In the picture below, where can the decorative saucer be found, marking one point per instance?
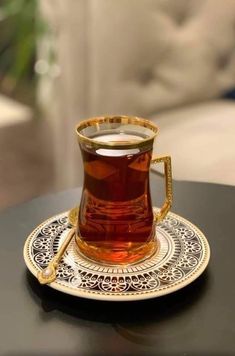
(182, 257)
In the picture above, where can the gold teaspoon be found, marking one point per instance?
(48, 274)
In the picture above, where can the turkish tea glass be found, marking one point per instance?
(116, 222)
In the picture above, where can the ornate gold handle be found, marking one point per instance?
(168, 183)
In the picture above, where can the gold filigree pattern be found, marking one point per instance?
(168, 183)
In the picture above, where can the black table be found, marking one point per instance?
(197, 320)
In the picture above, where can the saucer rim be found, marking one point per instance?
(105, 296)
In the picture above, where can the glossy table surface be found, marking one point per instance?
(197, 320)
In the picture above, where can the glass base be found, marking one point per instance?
(118, 253)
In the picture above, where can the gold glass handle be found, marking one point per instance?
(168, 182)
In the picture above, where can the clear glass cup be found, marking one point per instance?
(116, 222)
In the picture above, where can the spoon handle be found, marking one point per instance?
(63, 247)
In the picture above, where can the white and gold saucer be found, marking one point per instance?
(182, 257)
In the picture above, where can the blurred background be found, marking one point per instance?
(62, 61)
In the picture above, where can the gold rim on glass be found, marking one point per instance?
(123, 120)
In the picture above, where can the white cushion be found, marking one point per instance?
(150, 55)
(12, 112)
(131, 57)
(201, 141)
